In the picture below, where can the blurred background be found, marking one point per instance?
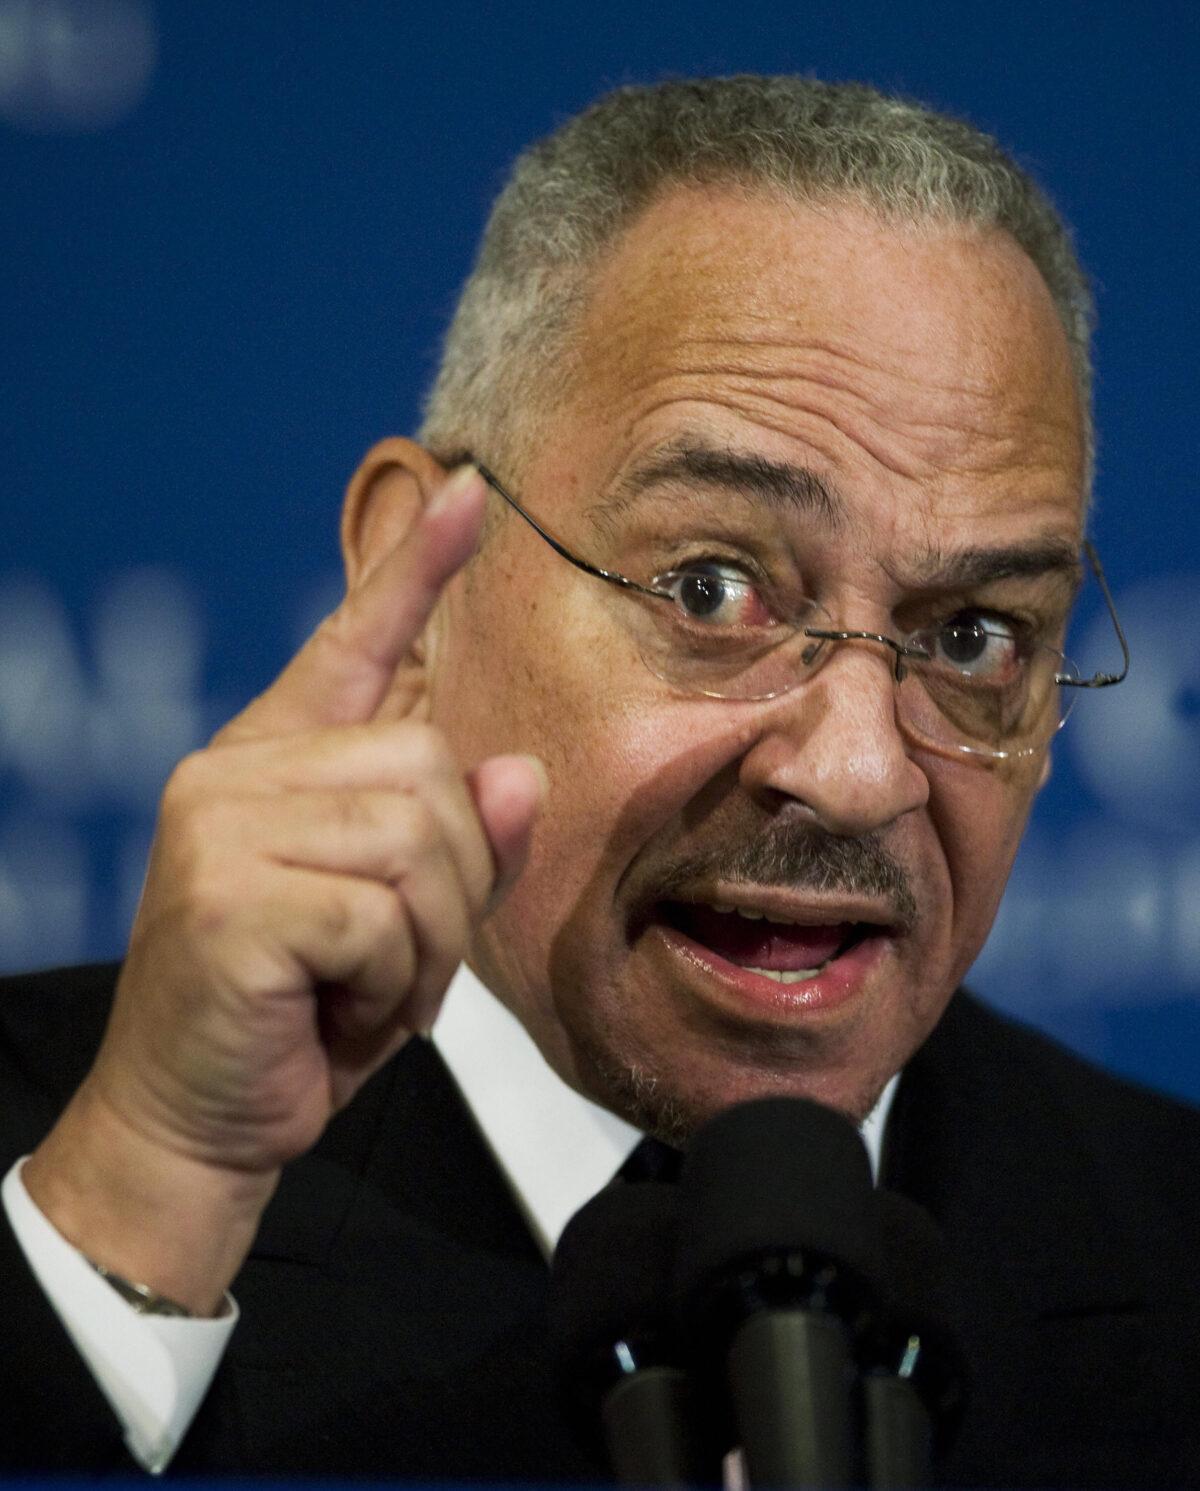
(232, 236)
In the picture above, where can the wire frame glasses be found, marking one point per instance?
(971, 686)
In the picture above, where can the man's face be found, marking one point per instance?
(924, 379)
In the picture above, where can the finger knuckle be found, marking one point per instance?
(363, 913)
(212, 902)
(339, 914)
(331, 630)
(187, 781)
(422, 748)
(202, 835)
(421, 832)
(350, 812)
(337, 639)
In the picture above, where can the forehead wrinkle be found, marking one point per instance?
(726, 334)
(916, 407)
(780, 485)
(894, 423)
(913, 429)
(873, 374)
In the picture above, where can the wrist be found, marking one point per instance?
(177, 1226)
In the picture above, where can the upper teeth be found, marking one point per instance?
(751, 915)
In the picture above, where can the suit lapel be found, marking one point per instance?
(992, 1133)
(393, 1308)
(1010, 1171)
(406, 1142)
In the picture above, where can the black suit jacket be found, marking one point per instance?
(393, 1307)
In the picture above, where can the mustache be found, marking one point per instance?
(798, 857)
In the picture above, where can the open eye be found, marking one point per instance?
(979, 644)
(715, 595)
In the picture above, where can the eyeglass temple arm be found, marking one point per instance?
(589, 569)
(1100, 680)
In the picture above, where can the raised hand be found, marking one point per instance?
(316, 878)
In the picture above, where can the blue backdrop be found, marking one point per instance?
(232, 235)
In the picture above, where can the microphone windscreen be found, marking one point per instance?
(769, 1176)
(917, 1279)
(611, 1277)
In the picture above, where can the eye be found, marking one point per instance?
(715, 595)
(979, 644)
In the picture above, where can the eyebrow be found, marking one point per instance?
(786, 485)
(971, 567)
(779, 484)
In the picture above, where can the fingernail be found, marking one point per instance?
(456, 485)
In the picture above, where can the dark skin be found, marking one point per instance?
(320, 870)
(926, 380)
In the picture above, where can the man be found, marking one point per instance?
(712, 762)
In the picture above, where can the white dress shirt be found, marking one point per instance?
(555, 1149)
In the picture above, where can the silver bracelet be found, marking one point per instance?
(141, 1297)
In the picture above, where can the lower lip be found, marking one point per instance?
(834, 986)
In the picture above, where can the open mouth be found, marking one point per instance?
(786, 952)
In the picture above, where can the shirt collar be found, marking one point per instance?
(555, 1148)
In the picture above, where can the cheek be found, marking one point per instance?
(553, 676)
(621, 775)
(497, 664)
(527, 651)
(980, 814)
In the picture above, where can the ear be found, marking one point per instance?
(394, 481)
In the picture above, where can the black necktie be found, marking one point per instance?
(652, 1160)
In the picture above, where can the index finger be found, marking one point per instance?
(343, 671)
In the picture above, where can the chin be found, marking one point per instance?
(672, 1104)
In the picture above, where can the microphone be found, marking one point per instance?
(615, 1339)
(778, 1275)
(915, 1393)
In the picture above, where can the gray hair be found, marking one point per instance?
(507, 351)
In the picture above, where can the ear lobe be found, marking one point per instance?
(394, 481)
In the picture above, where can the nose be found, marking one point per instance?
(833, 746)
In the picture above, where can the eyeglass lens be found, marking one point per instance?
(1005, 713)
(962, 686)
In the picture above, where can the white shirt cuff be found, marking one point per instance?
(153, 1369)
